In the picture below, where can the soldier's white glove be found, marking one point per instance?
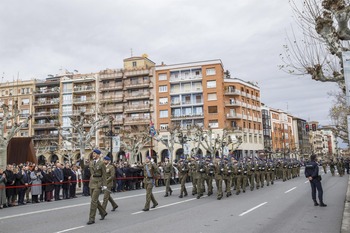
(152, 160)
(104, 188)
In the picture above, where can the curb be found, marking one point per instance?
(345, 226)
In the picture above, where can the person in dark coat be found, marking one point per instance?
(20, 183)
(119, 175)
(58, 179)
(49, 182)
(86, 178)
(10, 191)
(67, 176)
(74, 181)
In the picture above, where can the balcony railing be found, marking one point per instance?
(185, 90)
(137, 95)
(47, 92)
(186, 116)
(233, 103)
(137, 120)
(112, 98)
(137, 107)
(45, 125)
(83, 101)
(46, 102)
(113, 109)
(232, 92)
(84, 88)
(107, 87)
(138, 83)
(45, 137)
(183, 78)
(86, 111)
(45, 114)
(234, 116)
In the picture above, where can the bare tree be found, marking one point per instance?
(171, 140)
(77, 135)
(15, 128)
(324, 26)
(338, 114)
(134, 140)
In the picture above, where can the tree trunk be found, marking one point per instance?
(3, 156)
(82, 151)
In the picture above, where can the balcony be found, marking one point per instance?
(137, 108)
(45, 114)
(112, 109)
(45, 125)
(89, 100)
(188, 116)
(24, 115)
(187, 78)
(136, 84)
(86, 112)
(111, 99)
(46, 102)
(82, 89)
(47, 92)
(130, 73)
(107, 87)
(248, 95)
(232, 92)
(111, 75)
(234, 116)
(176, 91)
(139, 95)
(136, 121)
(250, 118)
(46, 137)
(235, 103)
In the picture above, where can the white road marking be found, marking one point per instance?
(164, 206)
(252, 209)
(290, 190)
(70, 229)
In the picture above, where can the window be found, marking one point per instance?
(162, 77)
(212, 96)
(211, 71)
(213, 109)
(211, 84)
(163, 113)
(213, 124)
(163, 101)
(25, 101)
(134, 64)
(67, 99)
(163, 88)
(164, 126)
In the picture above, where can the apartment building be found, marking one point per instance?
(283, 141)
(301, 138)
(243, 114)
(127, 95)
(18, 92)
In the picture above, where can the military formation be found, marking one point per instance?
(229, 173)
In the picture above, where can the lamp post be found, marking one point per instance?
(108, 131)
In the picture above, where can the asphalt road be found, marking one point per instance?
(282, 207)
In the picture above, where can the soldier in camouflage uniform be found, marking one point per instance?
(244, 168)
(257, 174)
(182, 167)
(168, 171)
(262, 173)
(219, 170)
(209, 174)
(237, 172)
(150, 171)
(227, 177)
(250, 174)
(332, 167)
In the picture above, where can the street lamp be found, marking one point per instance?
(108, 131)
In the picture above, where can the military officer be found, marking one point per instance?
(168, 171)
(110, 173)
(150, 170)
(97, 182)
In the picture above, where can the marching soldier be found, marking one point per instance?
(237, 173)
(284, 170)
(324, 166)
(97, 183)
(199, 171)
(209, 174)
(273, 172)
(219, 170)
(110, 173)
(257, 175)
(182, 166)
(168, 170)
(262, 173)
(227, 177)
(268, 173)
(244, 176)
(193, 176)
(250, 174)
(332, 167)
(150, 170)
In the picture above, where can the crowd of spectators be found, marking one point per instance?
(31, 183)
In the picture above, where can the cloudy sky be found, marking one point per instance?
(40, 37)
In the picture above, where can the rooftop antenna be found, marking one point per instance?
(287, 106)
(131, 52)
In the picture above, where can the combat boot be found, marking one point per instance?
(315, 203)
(322, 204)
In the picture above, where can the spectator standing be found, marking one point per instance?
(36, 178)
(2, 188)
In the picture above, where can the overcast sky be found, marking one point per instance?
(40, 37)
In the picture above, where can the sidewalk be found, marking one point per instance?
(345, 228)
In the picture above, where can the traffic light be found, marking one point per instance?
(307, 128)
(313, 127)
